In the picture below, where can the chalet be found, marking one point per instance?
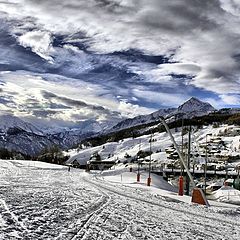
(100, 164)
(76, 164)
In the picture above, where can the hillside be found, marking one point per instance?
(224, 142)
(23, 137)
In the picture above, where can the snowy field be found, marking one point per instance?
(43, 201)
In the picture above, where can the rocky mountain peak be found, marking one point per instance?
(194, 104)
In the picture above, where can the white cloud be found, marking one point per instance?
(29, 93)
(162, 74)
(40, 42)
(63, 100)
(230, 99)
(179, 68)
(163, 99)
(31, 85)
(197, 32)
(132, 110)
(231, 6)
(201, 38)
(3, 108)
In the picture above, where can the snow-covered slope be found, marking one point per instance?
(229, 110)
(227, 194)
(219, 146)
(117, 151)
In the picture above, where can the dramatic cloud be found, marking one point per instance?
(231, 100)
(28, 95)
(134, 56)
(39, 42)
(165, 99)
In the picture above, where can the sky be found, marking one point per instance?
(65, 62)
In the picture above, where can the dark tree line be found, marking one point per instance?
(139, 130)
(52, 154)
(8, 154)
(49, 154)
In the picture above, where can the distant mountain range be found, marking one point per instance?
(191, 108)
(24, 137)
(20, 136)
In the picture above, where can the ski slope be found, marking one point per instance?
(45, 201)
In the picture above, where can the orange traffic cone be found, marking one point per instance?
(199, 197)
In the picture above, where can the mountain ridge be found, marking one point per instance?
(194, 104)
(190, 108)
(21, 136)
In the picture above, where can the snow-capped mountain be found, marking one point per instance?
(10, 123)
(194, 107)
(21, 136)
(142, 119)
(24, 137)
(191, 108)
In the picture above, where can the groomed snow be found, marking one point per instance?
(48, 202)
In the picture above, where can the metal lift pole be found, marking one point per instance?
(178, 151)
(188, 160)
(138, 172)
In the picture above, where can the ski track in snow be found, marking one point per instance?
(199, 220)
(56, 204)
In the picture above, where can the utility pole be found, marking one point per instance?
(150, 160)
(188, 160)
(226, 168)
(138, 174)
(206, 162)
(182, 147)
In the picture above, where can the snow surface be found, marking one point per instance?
(43, 201)
(227, 194)
(130, 146)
